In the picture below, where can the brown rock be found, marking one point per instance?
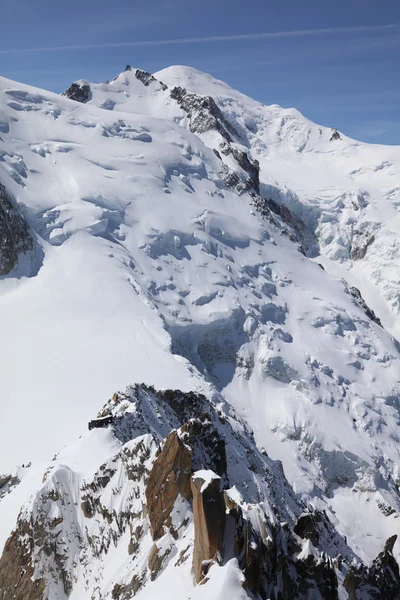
(209, 522)
(156, 560)
(169, 477)
(116, 592)
(88, 508)
(125, 592)
(16, 569)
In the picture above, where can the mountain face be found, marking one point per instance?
(234, 267)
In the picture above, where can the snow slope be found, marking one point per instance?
(346, 191)
(150, 267)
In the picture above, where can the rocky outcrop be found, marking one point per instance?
(156, 560)
(4, 480)
(203, 113)
(306, 527)
(78, 91)
(237, 504)
(16, 567)
(231, 179)
(362, 238)
(380, 580)
(359, 300)
(274, 563)
(207, 445)
(209, 522)
(147, 78)
(15, 236)
(169, 477)
(314, 576)
(335, 135)
(248, 546)
(278, 214)
(8, 483)
(252, 168)
(287, 221)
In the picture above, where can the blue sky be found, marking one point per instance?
(337, 62)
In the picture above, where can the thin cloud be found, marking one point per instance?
(210, 39)
(302, 54)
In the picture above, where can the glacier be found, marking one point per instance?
(180, 235)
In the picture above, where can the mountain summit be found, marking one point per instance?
(233, 268)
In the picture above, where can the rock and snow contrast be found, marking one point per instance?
(235, 269)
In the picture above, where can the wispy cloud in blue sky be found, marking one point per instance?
(239, 37)
(326, 59)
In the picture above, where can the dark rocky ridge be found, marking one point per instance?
(80, 92)
(286, 221)
(363, 238)
(147, 78)
(15, 235)
(335, 135)
(203, 113)
(379, 581)
(252, 168)
(359, 300)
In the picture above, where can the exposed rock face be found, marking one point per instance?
(169, 477)
(156, 560)
(4, 480)
(355, 292)
(289, 223)
(208, 447)
(315, 576)
(8, 483)
(335, 135)
(278, 214)
(80, 92)
(362, 239)
(274, 566)
(283, 549)
(252, 168)
(203, 112)
(16, 568)
(15, 237)
(248, 547)
(379, 581)
(147, 78)
(232, 179)
(306, 528)
(209, 522)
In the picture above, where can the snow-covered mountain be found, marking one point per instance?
(169, 231)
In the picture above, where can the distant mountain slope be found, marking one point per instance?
(346, 191)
